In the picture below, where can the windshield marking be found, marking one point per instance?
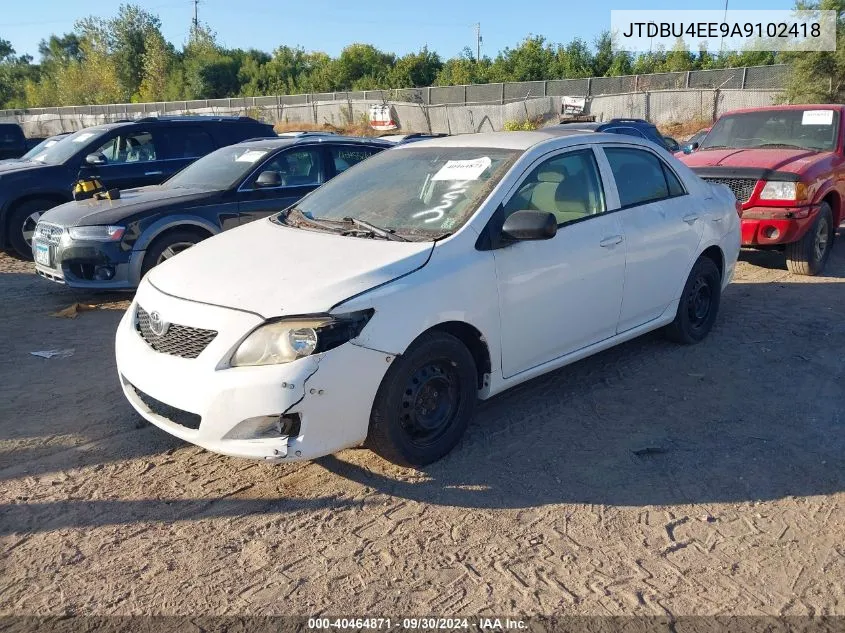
(454, 192)
(250, 156)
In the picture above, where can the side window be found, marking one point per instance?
(567, 185)
(297, 168)
(133, 147)
(630, 131)
(639, 175)
(344, 156)
(672, 182)
(189, 142)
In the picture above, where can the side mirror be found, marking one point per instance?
(529, 225)
(95, 160)
(671, 144)
(268, 179)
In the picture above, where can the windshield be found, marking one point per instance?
(218, 170)
(812, 129)
(66, 147)
(418, 189)
(43, 145)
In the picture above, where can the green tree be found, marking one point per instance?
(532, 60)
(15, 72)
(464, 69)
(363, 67)
(415, 70)
(819, 76)
(157, 63)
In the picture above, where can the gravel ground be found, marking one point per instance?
(649, 479)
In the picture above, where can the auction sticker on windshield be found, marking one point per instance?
(463, 169)
(250, 156)
(83, 137)
(817, 117)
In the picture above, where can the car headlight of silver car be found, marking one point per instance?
(96, 233)
(288, 339)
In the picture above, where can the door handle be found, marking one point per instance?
(153, 173)
(691, 218)
(611, 241)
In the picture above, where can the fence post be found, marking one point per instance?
(636, 83)
(465, 94)
(545, 88)
(744, 75)
(503, 92)
(589, 86)
(686, 80)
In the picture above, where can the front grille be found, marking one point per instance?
(48, 232)
(177, 340)
(177, 416)
(742, 187)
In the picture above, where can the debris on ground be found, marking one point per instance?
(74, 309)
(53, 353)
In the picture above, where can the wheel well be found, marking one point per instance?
(832, 198)
(7, 218)
(474, 342)
(191, 228)
(714, 253)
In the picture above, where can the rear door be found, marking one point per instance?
(133, 158)
(183, 144)
(301, 169)
(663, 226)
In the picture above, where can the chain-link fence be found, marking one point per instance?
(772, 77)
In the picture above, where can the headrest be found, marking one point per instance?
(550, 176)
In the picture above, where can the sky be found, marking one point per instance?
(397, 26)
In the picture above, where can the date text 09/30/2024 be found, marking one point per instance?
(427, 624)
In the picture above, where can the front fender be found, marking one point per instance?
(172, 221)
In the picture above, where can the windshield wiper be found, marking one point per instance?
(388, 234)
(782, 145)
(301, 218)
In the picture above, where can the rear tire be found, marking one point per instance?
(22, 221)
(808, 255)
(424, 402)
(699, 304)
(168, 245)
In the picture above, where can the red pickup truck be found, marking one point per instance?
(786, 166)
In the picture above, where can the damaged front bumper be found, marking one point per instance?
(322, 402)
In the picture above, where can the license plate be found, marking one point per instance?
(42, 254)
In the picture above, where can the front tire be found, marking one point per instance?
(22, 223)
(170, 244)
(424, 402)
(808, 255)
(699, 304)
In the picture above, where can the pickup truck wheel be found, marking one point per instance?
(168, 245)
(22, 223)
(699, 304)
(808, 255)
(424, 402)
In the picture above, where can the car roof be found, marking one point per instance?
(795, 106)
(278, 142)
(521, 140)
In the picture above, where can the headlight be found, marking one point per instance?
(97, 233)
(783, 191)
(286, 340)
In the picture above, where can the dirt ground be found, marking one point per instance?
(649, 479)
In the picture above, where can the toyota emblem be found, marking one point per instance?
(158, 326)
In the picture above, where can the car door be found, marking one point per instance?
(301, 169)
(133, 159)
(559, 295)
(663, 226)
(183, 144)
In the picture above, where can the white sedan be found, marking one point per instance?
(378, 310)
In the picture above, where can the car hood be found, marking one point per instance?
(275, 270)
(792, 160)
(131, 202)
(12, 165)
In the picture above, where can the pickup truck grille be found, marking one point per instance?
(742, 187)
(178, 340)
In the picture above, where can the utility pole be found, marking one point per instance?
(196, 24)
(478, 41)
